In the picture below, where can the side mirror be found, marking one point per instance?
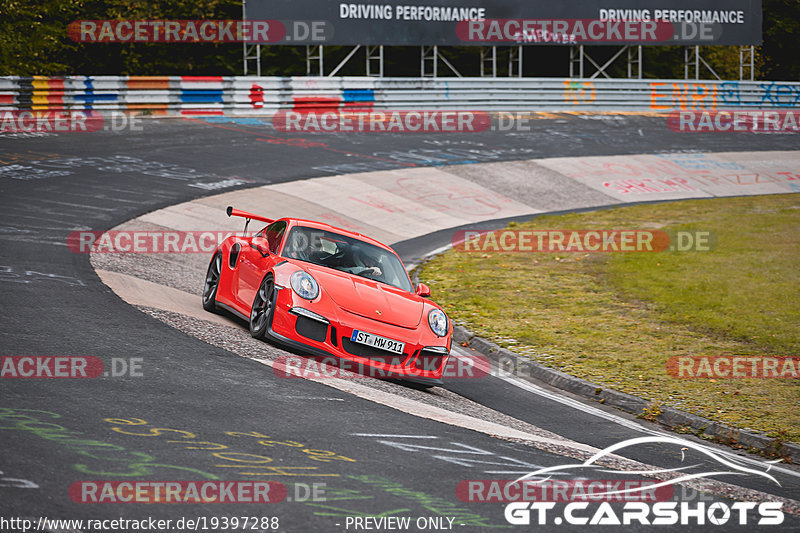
(423, 290)
(261, 245)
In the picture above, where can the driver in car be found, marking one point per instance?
(370, 265)
(359, 262)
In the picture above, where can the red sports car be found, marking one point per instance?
(328, 291)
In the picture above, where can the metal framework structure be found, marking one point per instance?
(344, 61)
(747, 59)
(429, 62)
(489, 57)
(428, 66)
(375, 54)
(250, 52)
(578, 57)
(430, 56)
(693, 58)
(692, 61)
(635, 62)
(515, 60)
(314, 53)
(489, 61)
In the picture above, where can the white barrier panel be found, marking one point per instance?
(266, 95)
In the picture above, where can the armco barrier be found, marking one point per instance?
(266, 95)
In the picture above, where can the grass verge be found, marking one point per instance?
(616, 318)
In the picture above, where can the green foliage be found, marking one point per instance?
(781, 32)
(34, 41)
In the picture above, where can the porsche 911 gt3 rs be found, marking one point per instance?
(328, 291)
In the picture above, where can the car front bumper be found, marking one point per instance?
(323, 329)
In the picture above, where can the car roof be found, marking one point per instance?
(323, 226)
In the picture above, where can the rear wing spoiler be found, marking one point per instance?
(249, 216)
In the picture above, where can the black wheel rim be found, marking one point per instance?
(262, 305)
(212, 279)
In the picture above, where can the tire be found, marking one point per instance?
(262, 308)
(212, 283)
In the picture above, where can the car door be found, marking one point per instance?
(255, 262)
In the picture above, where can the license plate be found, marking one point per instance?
(376, 341)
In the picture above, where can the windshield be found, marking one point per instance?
(347, 254)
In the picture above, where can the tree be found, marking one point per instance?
(34, 40)
(781, 33)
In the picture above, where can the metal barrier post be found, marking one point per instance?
(515, 58)
(372, 57)
(314, 53)
(576, 60)
(247, 52)
(747, 61)
(635, 59)
(491, 59)
(429, 55)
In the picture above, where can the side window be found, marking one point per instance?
(274, 235)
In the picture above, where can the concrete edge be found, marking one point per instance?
(675, 419)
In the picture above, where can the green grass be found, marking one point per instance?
(616, 318)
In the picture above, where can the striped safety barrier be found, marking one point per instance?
(266, 95)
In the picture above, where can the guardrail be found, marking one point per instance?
(266, 95)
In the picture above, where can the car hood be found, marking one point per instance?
(369, 298)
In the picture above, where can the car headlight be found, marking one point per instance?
(304, 285)
(437, 320)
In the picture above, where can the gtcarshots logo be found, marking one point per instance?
(644, 511)
(657, 514)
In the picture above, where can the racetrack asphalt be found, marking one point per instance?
(56, 432)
